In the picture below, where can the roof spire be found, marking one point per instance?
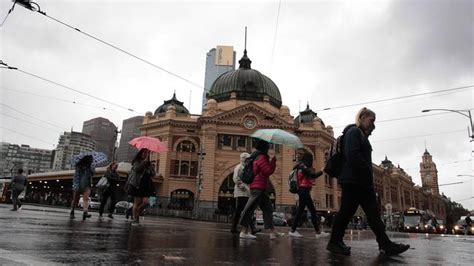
(245, 61)
(307, 105)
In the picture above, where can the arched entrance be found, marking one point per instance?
(181, 199)
(226, 201)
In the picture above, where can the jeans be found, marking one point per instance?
(258, 198)
(15, 200)
(105, 195)
(241, 202)
(353, 196)
(304, 200)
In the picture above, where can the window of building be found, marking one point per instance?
(241, 141)
(226, 140)
(186, 146)
(184, 168)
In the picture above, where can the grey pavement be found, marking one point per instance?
(46, 236)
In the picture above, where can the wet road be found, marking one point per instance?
(38, 235)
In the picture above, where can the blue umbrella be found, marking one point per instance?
(278, 136)
(98, 158)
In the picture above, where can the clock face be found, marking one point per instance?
(250, 123)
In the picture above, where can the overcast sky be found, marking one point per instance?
(330, 53)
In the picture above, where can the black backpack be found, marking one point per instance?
(335, 159)
(247, 175)
(293, 181)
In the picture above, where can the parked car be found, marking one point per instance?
(122, 206)
(94, 203)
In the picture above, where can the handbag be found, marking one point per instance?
(103, 183)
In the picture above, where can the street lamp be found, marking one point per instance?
(466, 113)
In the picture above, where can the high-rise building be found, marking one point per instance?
(31, 160)
(71, 144)
(218, 61)
(130, 130)
(103, 132)
(429, 173)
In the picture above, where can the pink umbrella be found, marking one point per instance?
(150, 143)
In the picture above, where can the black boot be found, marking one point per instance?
(338, 248)
(85, 215)
(394, 249)
(71, 215)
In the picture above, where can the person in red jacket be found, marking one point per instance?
(263, 167)
(305, 177)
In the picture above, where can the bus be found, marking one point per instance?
(415, 220)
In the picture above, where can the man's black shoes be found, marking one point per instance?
(338, 248)
(394, 249)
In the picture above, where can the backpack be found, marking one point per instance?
(293, 181)
(335, 160)
(247, 175)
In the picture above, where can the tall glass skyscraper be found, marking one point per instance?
(218, 61)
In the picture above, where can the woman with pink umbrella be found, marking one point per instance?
(139, 183)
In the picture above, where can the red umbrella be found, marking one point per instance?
(150, 143)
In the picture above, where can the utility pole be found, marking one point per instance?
(199, 187)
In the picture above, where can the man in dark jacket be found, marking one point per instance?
(356, 180)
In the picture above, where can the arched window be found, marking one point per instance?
(186, 146)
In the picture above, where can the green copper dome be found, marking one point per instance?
(247, 83)
(172, 102)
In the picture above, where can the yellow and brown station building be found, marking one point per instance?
(204, 150)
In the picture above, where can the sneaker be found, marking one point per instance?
(256, 231)
(274, 235)
(246, 236)
(134, 223)
(71, 215)
(338, 248)
(110, 216)
(394, 249)
(294, 234)
(322, 234)
(13, 209)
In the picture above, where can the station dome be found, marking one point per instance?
(246, 83)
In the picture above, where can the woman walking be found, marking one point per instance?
(241, 195)
(109, 192)
(263, 167)
(81, 184)
(140, 185)
(305, 177)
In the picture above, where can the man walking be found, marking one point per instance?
(356, 180)
(18, 184)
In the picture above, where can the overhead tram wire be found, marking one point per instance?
(9, 11)
(41, 120)
(59, 99)
(394, 98)
(419, 136)
(19, 119)
(276, 32)
(115, 47)
(68, 88)
(28, 136)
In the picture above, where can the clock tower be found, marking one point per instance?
(428, 173)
